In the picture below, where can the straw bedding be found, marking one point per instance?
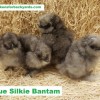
(82, 16)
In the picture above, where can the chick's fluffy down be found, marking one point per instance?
(38, 54)
(56, 35)
(81, 57)
(11, 54)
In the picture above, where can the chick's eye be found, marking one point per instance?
(7, 47)
(46, 58)
(93, 47)
(39, 56)
(45, 26)
(38, 53)
(12, 45)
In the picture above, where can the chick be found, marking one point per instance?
(28, 42)
(38, 54)
(56, 35)
(11, 54)
(81, 58)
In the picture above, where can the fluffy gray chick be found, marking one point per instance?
(11, 54)
(38, 54)
(56, 36)
(82, 57)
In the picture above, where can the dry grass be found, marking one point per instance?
(82, 16)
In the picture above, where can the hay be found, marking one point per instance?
(82, 16)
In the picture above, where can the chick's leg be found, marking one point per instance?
(32, 71)
(9, 67)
